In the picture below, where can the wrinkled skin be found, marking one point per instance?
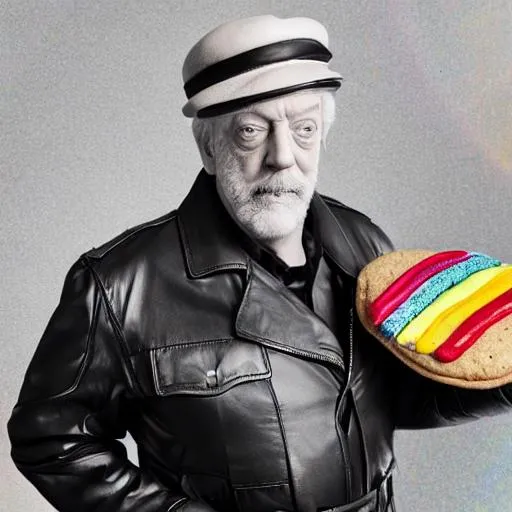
(266, 162)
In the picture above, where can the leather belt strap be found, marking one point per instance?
(371, 502)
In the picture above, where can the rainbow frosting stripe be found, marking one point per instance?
(442, 305)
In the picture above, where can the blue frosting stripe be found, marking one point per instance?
(431, 289)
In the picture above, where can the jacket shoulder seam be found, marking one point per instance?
(101, 251)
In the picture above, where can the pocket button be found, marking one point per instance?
(211, 379)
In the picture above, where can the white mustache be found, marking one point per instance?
(278, 187)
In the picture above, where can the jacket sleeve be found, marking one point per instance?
(424, 403)
(73, 408)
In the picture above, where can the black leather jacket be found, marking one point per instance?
(238, 396)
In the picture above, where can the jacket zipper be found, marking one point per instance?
(303, 353)
(341, 435)
(338, 363)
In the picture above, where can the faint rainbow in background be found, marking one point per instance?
(464, 51)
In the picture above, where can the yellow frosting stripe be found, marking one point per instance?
(457, 293)
(451, 318)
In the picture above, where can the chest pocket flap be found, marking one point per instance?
(207, 367)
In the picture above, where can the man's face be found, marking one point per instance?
(266, 163)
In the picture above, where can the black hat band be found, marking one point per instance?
(293, 49)
(231, 105)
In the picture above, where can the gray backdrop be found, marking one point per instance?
(93, 141)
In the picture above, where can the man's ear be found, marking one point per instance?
(207, 155)
(203, 135)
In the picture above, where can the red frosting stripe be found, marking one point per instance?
(403, 287)
(468, 332)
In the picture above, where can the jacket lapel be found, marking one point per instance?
(273, 316)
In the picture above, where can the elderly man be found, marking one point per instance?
(222, 335)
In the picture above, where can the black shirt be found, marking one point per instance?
(298, 279)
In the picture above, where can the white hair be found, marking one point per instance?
(203, 128)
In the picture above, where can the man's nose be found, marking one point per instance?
(280, 148)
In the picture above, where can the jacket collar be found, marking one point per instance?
(209, 235)
(207, 231)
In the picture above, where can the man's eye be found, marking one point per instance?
(248, 132)
(250, 136)
(305, 129)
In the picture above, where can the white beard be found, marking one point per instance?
(270, 210)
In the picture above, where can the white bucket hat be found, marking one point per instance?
(255, 59)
